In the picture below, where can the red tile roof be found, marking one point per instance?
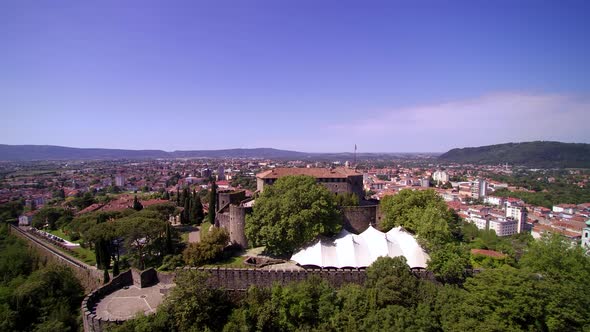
(340, 172)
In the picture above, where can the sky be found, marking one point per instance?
(308, 75)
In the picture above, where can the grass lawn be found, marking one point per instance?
(204, 229)
(86, 255)
(184, 237)
(235, 261)
(60, 233)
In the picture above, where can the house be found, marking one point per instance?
(25, 219)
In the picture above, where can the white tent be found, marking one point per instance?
(350, 250)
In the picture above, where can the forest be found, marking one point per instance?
(35, 295)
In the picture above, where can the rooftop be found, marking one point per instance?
(339, 172)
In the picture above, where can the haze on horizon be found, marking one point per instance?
(306, 76)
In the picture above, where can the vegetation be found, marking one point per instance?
(209, 249)
(290, 213)
(545, 292)
(534, 154)
(212, 201)
(424, 213)
(34, 296)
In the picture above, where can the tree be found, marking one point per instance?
(137, 206)
(144, 233)
(424, 213)
(450, 262)
(194, 306)
(290, 213)
(197, 215)
(106, 276)
(212, 202)
(209, 249)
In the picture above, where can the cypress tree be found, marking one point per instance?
(107, 277)
(212, 203)
(116, 268)
(169, 250)
(198, 210)
(137, 205)
(177, 197)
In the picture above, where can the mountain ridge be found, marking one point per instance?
(54, 152)
(543, 154)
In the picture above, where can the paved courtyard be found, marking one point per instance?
(126, 303)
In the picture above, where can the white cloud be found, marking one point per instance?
(489, 119)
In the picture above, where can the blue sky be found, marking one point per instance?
(316, 76)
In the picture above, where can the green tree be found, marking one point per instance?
(450, 262)
(290, 213)
(424, 213)
(193, 306)
(212, 202)
(209, 249)
(137, 206)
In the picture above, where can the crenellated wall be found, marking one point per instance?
(93, 323)
(242, 279)
(146, 278)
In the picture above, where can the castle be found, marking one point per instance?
(233, 206)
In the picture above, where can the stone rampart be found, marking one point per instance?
(242, 279)
(146, 278)
(89, 277)
(93, 323)
(357, 219)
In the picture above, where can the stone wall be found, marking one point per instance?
(89, 277)
(237, 224)
(231, 197)
(242, 279)
(92, 323)
(146, 278)
(356, 219)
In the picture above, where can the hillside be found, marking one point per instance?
(533, 154)
(51, 152)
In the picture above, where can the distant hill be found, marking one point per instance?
(51, 152)
(533, 154)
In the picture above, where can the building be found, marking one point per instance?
(565, 208)
(220, 173)
(440, 177)
(25, 220)
(519, 214)
(120, 181)
(424, 183)
(494, 200)
(586, 237)
(479, 188)
(337, 180)
(504, 227)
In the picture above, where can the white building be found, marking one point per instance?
(504, 227)
(25, 220)
(519, 214)
(440, 177)
(493, 200)
(586, 237)
(120, 181)
(480, 221)
(479, 188)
